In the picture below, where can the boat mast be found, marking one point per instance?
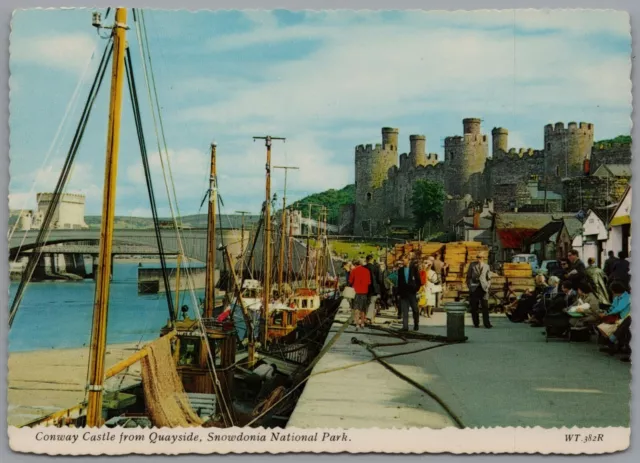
(243, 213)
(306, 260)
(101, 302)
(318, 248)
(267, 239)
(210, 283)
(282, 227)
(290, 249)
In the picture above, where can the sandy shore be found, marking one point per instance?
(41, 382)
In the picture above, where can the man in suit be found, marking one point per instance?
(577, 270)
(408, 286)
(478, 282)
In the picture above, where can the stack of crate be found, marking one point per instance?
(455, 256)
(459, 256)
(520, 277)
(420, 250)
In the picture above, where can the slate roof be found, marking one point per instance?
(613, 170)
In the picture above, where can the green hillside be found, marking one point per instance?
(332, 199)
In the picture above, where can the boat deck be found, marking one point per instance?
(506, 376)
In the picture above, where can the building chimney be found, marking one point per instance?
(586, 166)
(476, 220)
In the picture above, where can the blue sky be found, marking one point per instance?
(327, 81)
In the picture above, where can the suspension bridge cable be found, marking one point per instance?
(62, 180)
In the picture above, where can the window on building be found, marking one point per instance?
(304, 304)
(548, 146)
(557, 171)
(368, 196)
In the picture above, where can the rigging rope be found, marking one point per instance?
(135, 105)
(62, 180)
(69, 110)
(210, 360)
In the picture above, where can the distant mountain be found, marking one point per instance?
(192, 221)
(332, 199)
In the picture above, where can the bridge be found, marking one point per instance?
(144, 242)
(125, 241)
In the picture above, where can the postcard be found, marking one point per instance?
(243, 231)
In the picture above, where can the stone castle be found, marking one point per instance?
(384, 180)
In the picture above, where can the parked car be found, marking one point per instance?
(530, 259)
(550, 268)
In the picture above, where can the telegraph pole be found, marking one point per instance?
(283, 225)
(267, 238)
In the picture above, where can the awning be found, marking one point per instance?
(514, 238)
(621, 220)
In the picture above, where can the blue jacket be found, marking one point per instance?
(621, 305)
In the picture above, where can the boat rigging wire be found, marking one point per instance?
(145, 53)
(62, 180)
(135, 105)
(70, 109)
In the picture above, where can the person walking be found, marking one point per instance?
(408, 286)
(375, 287)
(359, 280)
(608, 264)
(597, 280)
(440, 268)
(478, 282)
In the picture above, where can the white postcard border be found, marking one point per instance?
(176, 441)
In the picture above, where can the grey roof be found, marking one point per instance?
(613, 170)
(574, 226)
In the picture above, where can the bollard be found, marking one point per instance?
(455, 321)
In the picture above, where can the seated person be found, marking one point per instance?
(585, 310)
(556, 319)
(540, 307)
(620, 341)
(523, 307)
(620, 310)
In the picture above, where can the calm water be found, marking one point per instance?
(58, 314)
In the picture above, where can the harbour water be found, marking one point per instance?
(58, 314)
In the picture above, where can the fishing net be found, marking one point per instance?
(167, 402)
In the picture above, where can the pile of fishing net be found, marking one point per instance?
(167, 403)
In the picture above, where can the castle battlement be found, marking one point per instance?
(558, 127)
(76, 198)
(368, 148)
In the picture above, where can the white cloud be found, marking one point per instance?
(387, 70)
(69, 52)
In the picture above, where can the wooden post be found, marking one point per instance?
(101, 301)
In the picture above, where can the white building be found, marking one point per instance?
(68, 215)
(620, 226)
(594, 238)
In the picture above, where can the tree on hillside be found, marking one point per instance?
(427, 203)
(332, 199)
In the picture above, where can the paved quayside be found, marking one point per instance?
(505, 376)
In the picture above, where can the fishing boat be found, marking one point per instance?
(198, 372)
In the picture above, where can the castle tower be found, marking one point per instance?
(390, 138)
(500, 139)
(418, 152)
(371, 170)
(465, 158)
(566, 149)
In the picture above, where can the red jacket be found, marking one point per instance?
(360, 279)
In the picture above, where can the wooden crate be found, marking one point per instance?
(521, 266)
(522, 281)
(517, 273)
